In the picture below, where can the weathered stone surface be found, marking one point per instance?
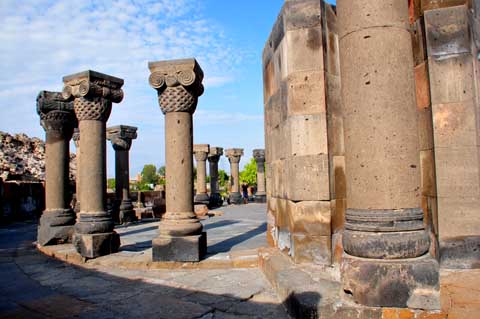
(304, 49)
(200, 152)
(234, 155)
(308, 178)
(422, 86)
(312, 218)
(260, 195)
(401, 283)
(311, 249)
(214, 155)
(96, 245)
(308, 134)
(306, 93)
(186, 248)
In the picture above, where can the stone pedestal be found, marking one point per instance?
(384, 238)
(200, 151)
(58, 119)
(178, 84)
(234, 155)
(260, 195)
(214, 155)
(76, 140)
(93, 94)
(121, 137)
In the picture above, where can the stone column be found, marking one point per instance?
(261, 195)
(200, 151)
(234, 155)
(386, 260)
(213, 158)
(76, 140)
(178, 84)
(58, 119)
(93, 94)
(121, 137)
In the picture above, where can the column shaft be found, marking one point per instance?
(213, 168)
(56, 171)
(201, 177)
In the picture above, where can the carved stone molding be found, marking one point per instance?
(178, 84)
(259, 155)
(56, 113)
(214, 154)
(121, 137)
(200, 151)
(234, 154)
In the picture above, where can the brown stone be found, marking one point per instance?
(306, 93)
(312, 218)
(311, 249)
(308, 178)
(304, 49)
(200, 151)
(422, 86)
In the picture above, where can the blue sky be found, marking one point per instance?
(43, 40)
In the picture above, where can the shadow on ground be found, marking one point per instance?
(41, 287)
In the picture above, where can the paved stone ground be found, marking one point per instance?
(35, 286)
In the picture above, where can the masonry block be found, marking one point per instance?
(311, 249)
(425, 129)
(418, 42)
(305, 50)
(306, 93)
(422, 86)
(308, 134)
(455, 124)
(436, 4)
(427, 169)
(301, 14)
(308, 178)
(457, 218)
(310, 218)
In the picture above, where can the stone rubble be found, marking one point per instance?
(23, 158)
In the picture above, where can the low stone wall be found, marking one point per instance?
(21, 201)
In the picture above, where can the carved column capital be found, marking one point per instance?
(214, 154)
(56, 113)
(178, 84)
(200, 151)
(121, 137)
(259, 155)
(234, 154)
(93, 94)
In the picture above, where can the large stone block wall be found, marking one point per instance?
(303, 130)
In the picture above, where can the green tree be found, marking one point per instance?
(111, 183)
(149, 174)
(161, 171)
(249, 173)
(222, 178)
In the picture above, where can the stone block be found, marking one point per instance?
(283, 213)
(280, 62)
(339, 177)
(455, 124)
(422, 86)
(96, 245)
(451, 80)
(302, 14)
(457, 173)
(311, 249)
(436, 4)
(308, 134)
(427, 170)
(54, 235)
(447, 31)
(274, 39)
(312, 218)
(338, 214)
(269, 82)
(418, 42)
(330, 29)
(279, 179)
(458, 218)
(306, 93)
(402, 283)
(305, 50)
(336, 145)
(425, 129)
(414, 9)
(308, 178)
(461, 252)
(181, 249)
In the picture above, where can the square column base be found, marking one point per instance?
(182, 249)
(260, 198)
(400, 283)
(54, 235)
(96, 245)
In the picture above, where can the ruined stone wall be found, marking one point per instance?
(302, 129)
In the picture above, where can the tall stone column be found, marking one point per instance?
(121, 137)
(213, 158)
(178, 84)
(76, 140)
(58, 119)
(261, 195)
(93, 94)
(234, 155)
(386, 260)
(200, 151)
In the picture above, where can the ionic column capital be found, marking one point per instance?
(214, 154)
(178, 84)
(259, 155)
(121, 137)
(93, 94)
(234, 154)
(200, 151)
(56, 113)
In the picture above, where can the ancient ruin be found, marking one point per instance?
(179, 84)
(58, 119)
(260, 195)
(93, 94)
(234, 155)
(121, 137)
(213, 157)
(200, 151)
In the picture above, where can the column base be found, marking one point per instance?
(236, 198)
(181, 249)
(202, 198)
(216, 200)
(56, 227)
(260, 198)
(402, 283)
(96, 245)
(127, 213)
